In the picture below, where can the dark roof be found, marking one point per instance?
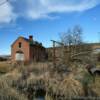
(27, 40)
(18, 38)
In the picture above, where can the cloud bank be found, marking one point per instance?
(6, 13)
(36, 9)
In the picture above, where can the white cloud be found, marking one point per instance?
(42, 8)
(6, 13)
(35, 9)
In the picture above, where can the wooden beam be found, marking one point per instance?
(81, 53)
(54, 50)
(54, 56)
(57, 42)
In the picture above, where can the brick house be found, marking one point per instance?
(27, 50)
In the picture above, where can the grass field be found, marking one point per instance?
(23, 82)
(5, 67)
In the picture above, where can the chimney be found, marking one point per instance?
(31, 38)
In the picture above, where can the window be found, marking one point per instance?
(20, 44)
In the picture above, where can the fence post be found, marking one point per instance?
(54, 51)
(54, 55)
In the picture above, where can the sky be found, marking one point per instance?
(46, 20)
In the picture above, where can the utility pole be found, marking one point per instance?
(54, 51)
(54, 57)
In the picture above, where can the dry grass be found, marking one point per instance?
(26, 78)
(36, 68)
(37, 76)
(48, 97)
(68, 88)
(71, 88)
(10, 78)
(5, 67)
(39, 67)
(9, 93)
(95, 87)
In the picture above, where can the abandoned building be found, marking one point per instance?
(87, 49)
(27, 50)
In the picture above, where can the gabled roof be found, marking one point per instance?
(27, 40)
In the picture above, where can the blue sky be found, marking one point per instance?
(46, 19)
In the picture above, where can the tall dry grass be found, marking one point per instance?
(94, 88)
(69, 88)
(9, 93)
(5, 67)
(27, 80)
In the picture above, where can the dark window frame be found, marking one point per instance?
(20, 45)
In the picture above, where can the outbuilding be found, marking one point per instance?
(27, 50)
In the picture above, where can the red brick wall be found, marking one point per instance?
(31, 52)
(24, 49)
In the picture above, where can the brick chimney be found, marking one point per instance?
(31, 38)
